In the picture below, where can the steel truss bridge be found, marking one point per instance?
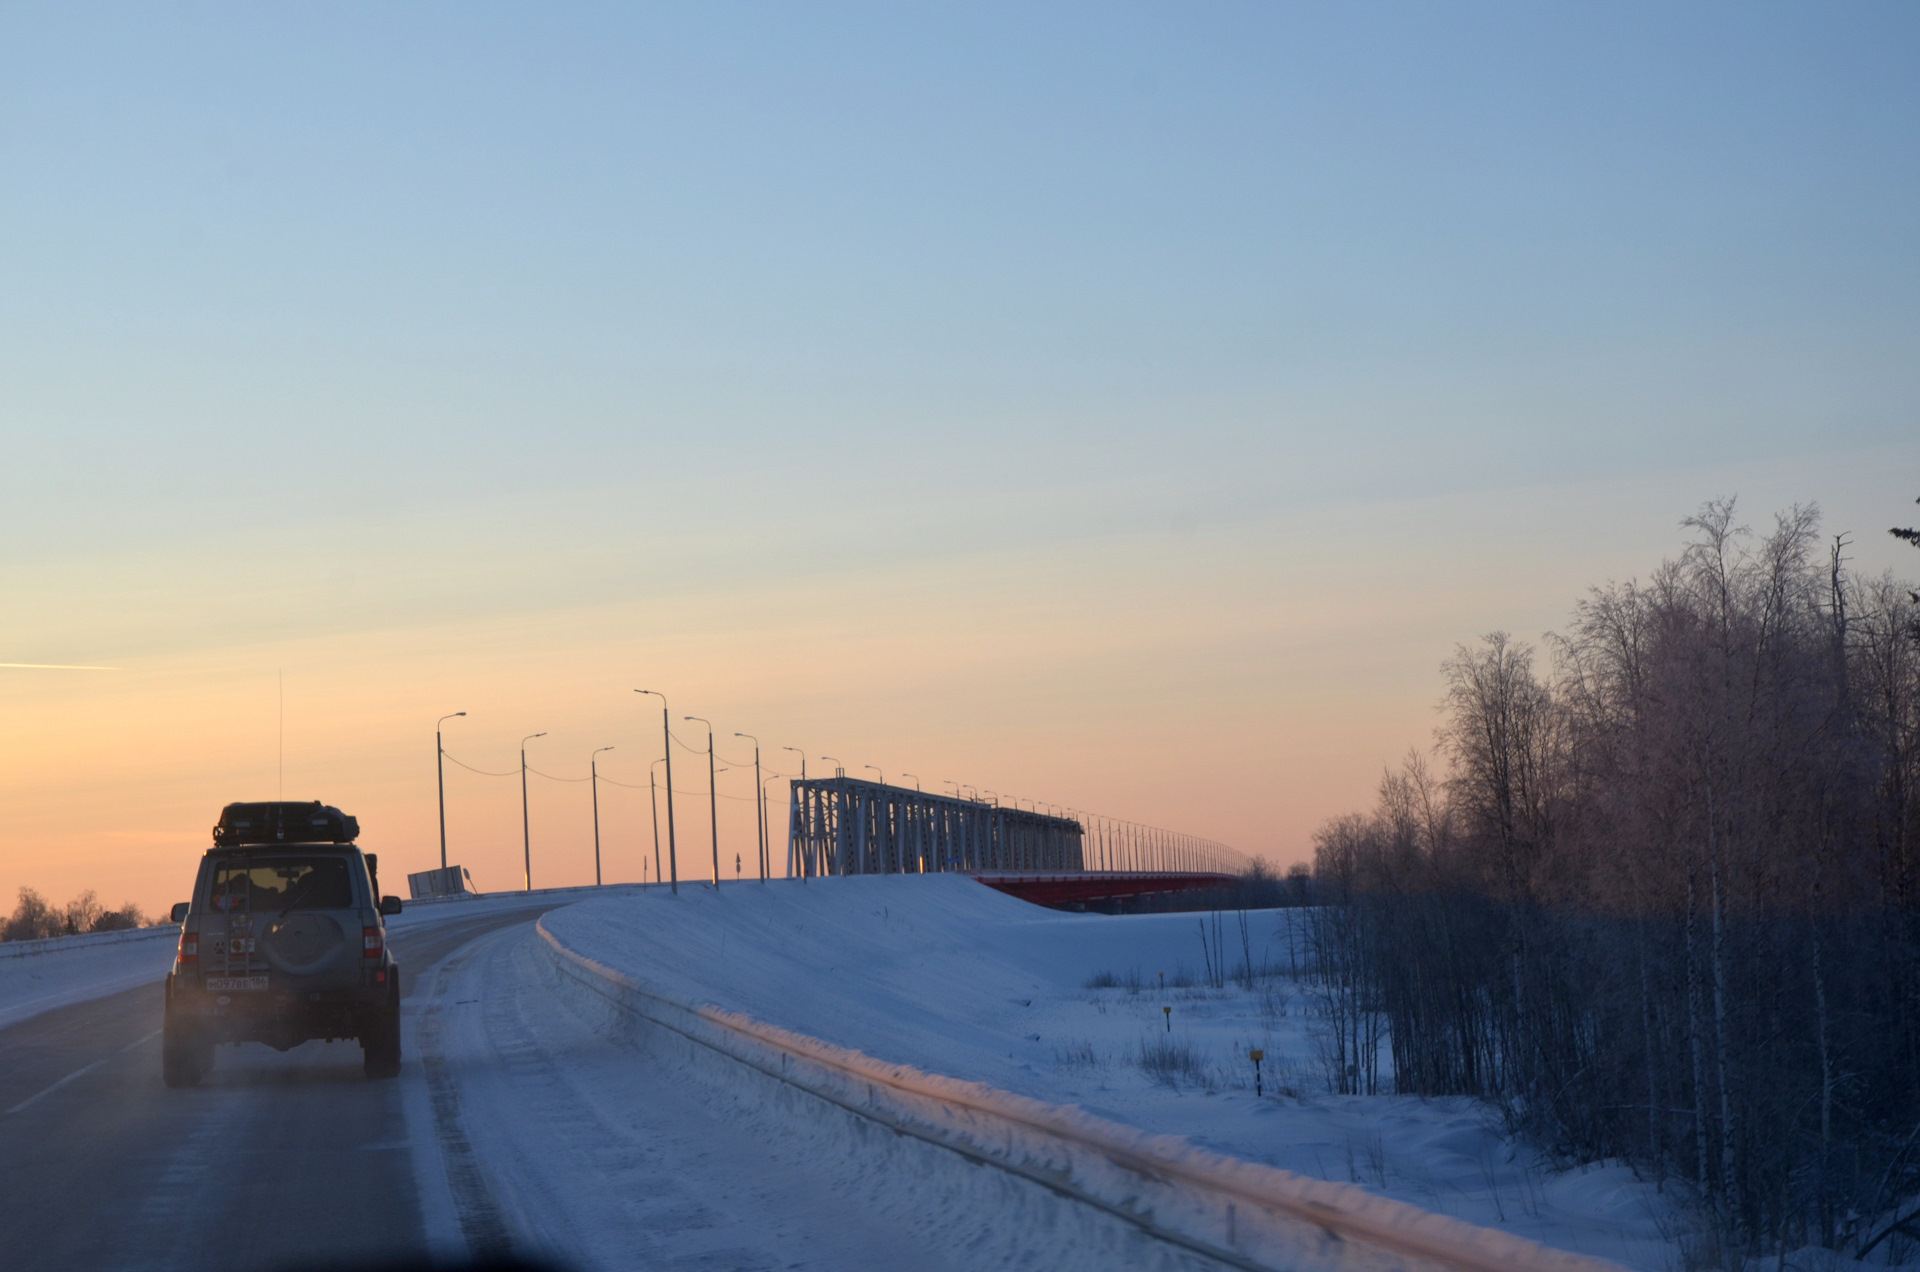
(848, 826)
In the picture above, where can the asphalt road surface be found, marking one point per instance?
(276, 1161)
(516, 1130)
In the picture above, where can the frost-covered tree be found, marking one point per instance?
(1664, 902)
(32, 919)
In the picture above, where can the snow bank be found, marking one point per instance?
(1235, 1211)
(37, 976)
(948, 977)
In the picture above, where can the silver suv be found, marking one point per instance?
(283, 941)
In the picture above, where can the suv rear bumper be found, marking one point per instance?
(284, 1015)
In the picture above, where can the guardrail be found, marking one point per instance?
(1238, 1213)
(86, 940)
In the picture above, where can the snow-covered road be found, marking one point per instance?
(274, 1161)
(539, 1112)
(562, 1142)
(41, 976)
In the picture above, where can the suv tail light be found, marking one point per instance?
(189, 947)
(370, 942)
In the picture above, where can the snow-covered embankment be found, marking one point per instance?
(1132, 1192)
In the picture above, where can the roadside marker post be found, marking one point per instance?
(1256, 1056)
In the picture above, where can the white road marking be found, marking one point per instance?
(77, 1073)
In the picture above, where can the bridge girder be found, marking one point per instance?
(847, 826)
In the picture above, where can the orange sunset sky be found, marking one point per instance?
(1127, 415)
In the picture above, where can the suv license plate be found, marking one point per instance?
(232, 984)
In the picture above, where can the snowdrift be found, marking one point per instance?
(1185, 1198)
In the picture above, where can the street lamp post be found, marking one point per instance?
(526, 835)
(916, 779)
(440, 771)
(653, 798)
(766, 817)
(760, 805)
(839, 769)
(593, 775)
(713, 799)
(666, 744)
(876, 768)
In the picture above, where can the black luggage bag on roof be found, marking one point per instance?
(284, 822)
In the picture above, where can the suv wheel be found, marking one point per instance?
(185, 1056)
(380, 1038)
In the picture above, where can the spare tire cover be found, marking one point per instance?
(304, 942)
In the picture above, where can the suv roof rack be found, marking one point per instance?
(284, 822)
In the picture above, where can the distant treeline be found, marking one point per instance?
(34, 917)
(1663, 902)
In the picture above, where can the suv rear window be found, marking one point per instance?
(282, 883)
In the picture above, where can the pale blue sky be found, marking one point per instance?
(334, 319)
(1257, 252)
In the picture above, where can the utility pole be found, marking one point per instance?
(526, 835)
(766, 820)
(440, 771)
(653, 798)
(666, 744)
(593, 776)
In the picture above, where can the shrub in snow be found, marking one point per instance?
(1173, 1061)
(35, 919)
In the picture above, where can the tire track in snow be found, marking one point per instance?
(595, 1157)
(481, 1222)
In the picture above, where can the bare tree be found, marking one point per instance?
(1662, 904)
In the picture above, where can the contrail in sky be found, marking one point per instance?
(58, 667)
